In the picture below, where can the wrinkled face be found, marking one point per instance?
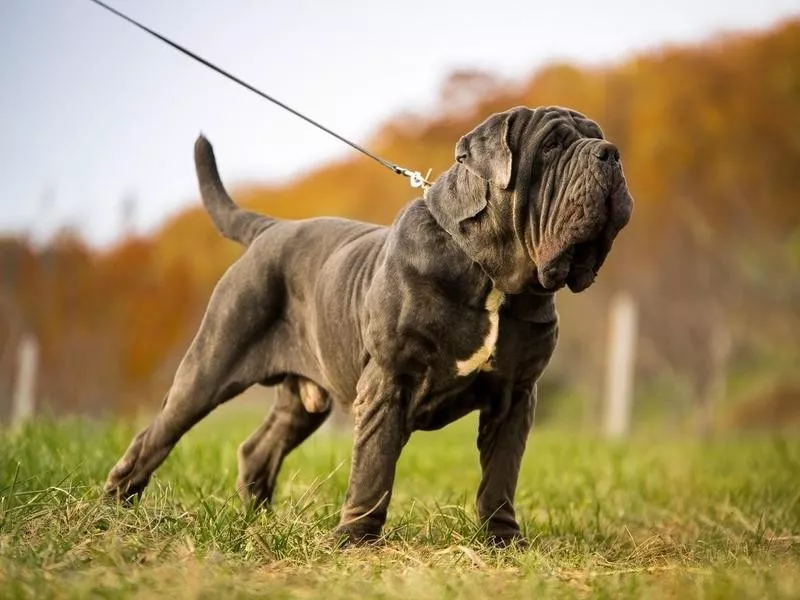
(537, 197)
(579, 200)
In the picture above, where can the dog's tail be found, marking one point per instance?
(231, 221)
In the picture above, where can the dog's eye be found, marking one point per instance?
(550, 146)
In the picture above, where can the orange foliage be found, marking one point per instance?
(710, 139)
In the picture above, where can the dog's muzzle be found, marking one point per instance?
(576, 262)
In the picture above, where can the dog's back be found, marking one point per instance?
(318, 270)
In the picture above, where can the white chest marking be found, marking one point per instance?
(480, 359)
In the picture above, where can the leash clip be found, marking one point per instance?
(416, 179)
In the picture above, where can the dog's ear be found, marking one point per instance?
(484, 151)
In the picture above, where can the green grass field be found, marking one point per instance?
(648, 518)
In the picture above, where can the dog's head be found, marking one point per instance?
(536, 197)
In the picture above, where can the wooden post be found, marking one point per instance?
(719, 349)
(621, 362)
(24, 397)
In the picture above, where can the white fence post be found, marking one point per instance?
(621, 362)
(24, 397)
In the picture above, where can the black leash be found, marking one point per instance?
(415, 178)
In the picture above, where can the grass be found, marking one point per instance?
(647, 518)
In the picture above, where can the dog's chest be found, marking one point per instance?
(482, 358)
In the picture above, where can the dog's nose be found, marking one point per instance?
(605, 151)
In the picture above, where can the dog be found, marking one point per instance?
(448, 310)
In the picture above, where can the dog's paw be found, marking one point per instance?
(120, 493)
(120, 486)
(356, 535)
(505, 540)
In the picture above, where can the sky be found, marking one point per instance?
(94, 112)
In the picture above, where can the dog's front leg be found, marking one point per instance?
(379, 435)
(502, 437)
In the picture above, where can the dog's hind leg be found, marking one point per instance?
(301, 407)
(228, 355)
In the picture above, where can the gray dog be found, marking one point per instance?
(448, 310)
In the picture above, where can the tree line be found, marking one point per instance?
(710, 141)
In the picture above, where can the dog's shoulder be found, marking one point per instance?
(421, 248)
(425, 304)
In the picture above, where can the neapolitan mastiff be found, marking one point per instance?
(448, 310)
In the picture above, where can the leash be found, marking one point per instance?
(415, 177)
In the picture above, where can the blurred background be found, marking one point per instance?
(107, 260)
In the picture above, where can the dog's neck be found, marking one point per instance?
(483, 238)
